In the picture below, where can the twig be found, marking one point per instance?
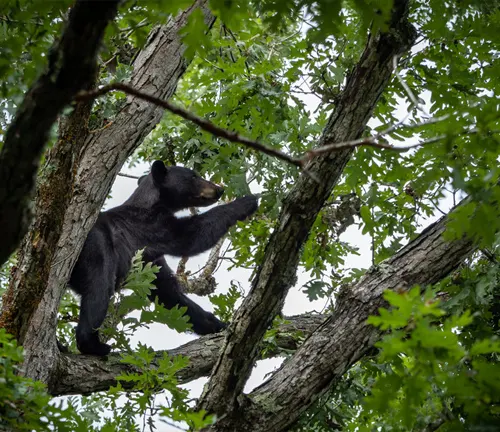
(373, 140)
(489, 255)
(405, 86)
(201, 122)
(131, 29)
(370, 142)
(129, 176)
(239, 49)
(212, 64)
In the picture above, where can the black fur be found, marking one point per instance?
(147, 220)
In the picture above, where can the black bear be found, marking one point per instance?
(147, 220)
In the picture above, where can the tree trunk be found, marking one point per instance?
(300, 209)
(72, 65)
(345, 336)
(34, 303)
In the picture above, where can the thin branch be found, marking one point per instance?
(201, 122)
(405, 86)
(239, 49)
(300, 162)
(372, 141)
(129, 176)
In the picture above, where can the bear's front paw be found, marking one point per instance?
(247, 205)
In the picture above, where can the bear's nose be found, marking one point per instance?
(219, 192)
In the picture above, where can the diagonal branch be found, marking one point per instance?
(300, 209)
(200, 121)
(301, 161)
(80, 374)
(72, 65)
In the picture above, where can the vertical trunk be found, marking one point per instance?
(72, 65)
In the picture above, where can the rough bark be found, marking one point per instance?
(79, 374)
(72, 64)
(300, 209)
(345, 336)
(157, 70)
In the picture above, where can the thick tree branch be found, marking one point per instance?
(300, 209)
(87, 180)
(72, 64)
(345, 336)
(79, 374)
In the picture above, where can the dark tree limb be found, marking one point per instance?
(97, 158)
(72, 65)
(301, 161)
(54, 189)
(205, 124)
(300, 209)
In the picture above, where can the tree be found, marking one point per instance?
(409, 343)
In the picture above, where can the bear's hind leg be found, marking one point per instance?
(93, 308)
(169, 294)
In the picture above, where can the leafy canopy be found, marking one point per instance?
(272, 70)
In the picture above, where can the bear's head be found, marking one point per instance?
(175, 187)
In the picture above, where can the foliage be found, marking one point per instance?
(121, 323)
(272, 70)
(435, 375)
(224, 304)
(24, 404)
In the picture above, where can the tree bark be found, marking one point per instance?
(72, 65)
(80, 374)
(300, 209)
(157, 70)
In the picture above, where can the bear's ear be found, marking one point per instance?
(159, 172)
(141, 179)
